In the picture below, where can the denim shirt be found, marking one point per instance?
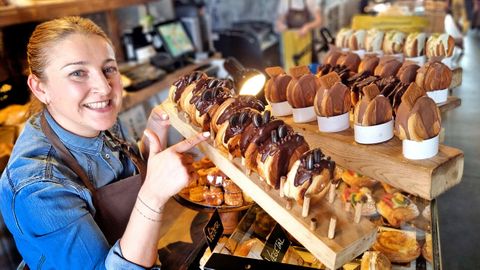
(47, 208)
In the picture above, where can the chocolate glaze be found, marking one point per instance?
(186, 80)
(204, 102)
(240, 102)
(304, 174)
(398, 93)
(284, 148)
(238, 127)
(258, 135)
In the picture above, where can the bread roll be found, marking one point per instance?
(374, 40)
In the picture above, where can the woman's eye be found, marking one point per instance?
(78, 73)
(110, 70)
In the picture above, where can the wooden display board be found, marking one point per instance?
(351, 239)
(426, 178)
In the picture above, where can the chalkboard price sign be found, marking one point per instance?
(276, 246)
(213, 230)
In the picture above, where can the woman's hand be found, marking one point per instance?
(158, 122)
(167, 170)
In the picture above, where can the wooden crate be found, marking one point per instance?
(350, 240)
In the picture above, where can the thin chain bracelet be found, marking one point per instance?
(149, 218)
(159, 211)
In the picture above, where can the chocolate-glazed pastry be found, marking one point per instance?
(331, 57)
(206, 103)
(349, 60)
(356, 84)
(368, 63)
(373, 109)
(228, 136)
(277, 155)
(311, 174)
(387, 85)
(434, 76)
(232, 106)
(408, 72)
(334, 101)
(182, 83)
(256, 134)
(302, 88)
(276, 86)
(418, 117)
(388, 66)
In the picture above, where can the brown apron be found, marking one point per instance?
(113, 202)
(297, 18)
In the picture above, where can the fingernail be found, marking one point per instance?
(164, 116)
(206, 134)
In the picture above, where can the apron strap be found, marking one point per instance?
(65, 155)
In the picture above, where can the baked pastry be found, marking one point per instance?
(375, 260)
(326, 82)
(263, 224)
(302, 88)
(351, 196)
(243, 249)
(408, 72)
(373, 108)
(368, 63)
(341, 40)
(213, 196)
(388, 66)
(276, 156)
(205, 102)
(415, 44)
(396, 208)
(434, 75)
(349, 60)
(331, 57)
(418, 117)
(357, 82)
(333, 101)
(440, 45)
(276, 86)
(188, 80)
(228, 136)
(397, 246)
(355, 179)
(233, 194)
(427, 250)
(311, 174)
(357, 40)
(393, 42)
(256, 134)
(374, 40)
(196, 193)
(234, 105)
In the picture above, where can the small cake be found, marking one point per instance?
(435, 78)
(397, 246)
(396, 208)
(276, 91)
(301, 93)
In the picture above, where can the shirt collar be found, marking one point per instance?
(70, 139)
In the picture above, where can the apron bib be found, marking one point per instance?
(113, 202)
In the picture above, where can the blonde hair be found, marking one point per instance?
(49, 33)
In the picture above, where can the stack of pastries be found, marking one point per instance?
(241, 127)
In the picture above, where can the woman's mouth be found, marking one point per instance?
(98, 105)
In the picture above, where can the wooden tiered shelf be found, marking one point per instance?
(351, 239)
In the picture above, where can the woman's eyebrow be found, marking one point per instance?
(75, 63)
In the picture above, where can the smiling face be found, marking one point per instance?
(82, 87)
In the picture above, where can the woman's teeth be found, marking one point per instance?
(98, 105)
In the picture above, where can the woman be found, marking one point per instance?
(302, 15)
(57, 196)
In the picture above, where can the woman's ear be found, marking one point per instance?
(38, 88)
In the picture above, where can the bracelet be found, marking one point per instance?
(159, 211)
(149, 218)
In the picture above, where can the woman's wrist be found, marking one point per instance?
(151, 199)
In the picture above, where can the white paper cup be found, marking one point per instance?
(345, 49)
(334, 123)
(373, 134)
(303, 115)
(280, 108)
(398, 56)
(420, 150)
(419, 60)
(448, 61)
(439, 96)
(360, 53)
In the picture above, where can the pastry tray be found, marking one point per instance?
(351, 239)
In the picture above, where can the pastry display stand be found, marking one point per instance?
(350, 240)
(229, 215)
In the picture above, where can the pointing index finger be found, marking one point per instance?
(191, 142)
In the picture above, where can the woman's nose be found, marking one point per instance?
(101, 84)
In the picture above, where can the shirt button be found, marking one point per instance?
(107, 156)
